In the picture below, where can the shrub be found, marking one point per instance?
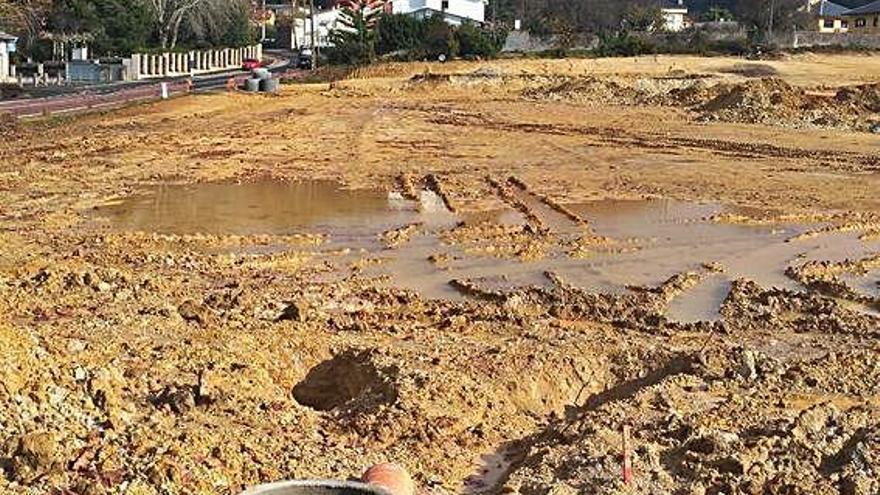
(399, 33)
(623, 44)
(473, 41)
(439, 38)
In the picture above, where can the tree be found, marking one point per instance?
(27, 18)
(643, 18)
(168, 15)
(439, 38)
(764, 17)
(354, 39)
(220, 23)
(399, 32)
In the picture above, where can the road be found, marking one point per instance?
(110, 96)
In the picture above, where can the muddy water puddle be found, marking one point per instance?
(649, 240)
(263, 207)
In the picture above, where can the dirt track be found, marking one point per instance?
(143, 363)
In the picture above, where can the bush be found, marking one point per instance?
(399, 33)
(439, 38)
(623, 44)
(476, 42)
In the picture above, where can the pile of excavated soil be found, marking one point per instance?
(769, 101)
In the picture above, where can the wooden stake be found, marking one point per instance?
(627, 457)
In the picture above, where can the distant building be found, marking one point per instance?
(829, 16)
(674, 15)
(865, 19)
(7, 47)
(453, 11)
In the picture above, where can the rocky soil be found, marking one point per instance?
(149, 363)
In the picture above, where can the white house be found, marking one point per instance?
(674, 15)
(325, 21)
(7, 46)
(829, 16)
(453, 11)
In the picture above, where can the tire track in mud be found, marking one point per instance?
(838, 160)
(546, 214)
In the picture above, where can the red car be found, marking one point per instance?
(251, 64)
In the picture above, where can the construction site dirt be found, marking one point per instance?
(483, 271)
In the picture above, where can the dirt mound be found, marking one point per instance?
(751, 70)
(760, 101)
(584, 90)
(864, 97)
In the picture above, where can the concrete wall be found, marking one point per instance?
(5, 68)
(155, 65)
(848, 39)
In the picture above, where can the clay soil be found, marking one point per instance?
(152, 363)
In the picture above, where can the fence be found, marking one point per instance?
(150, 65)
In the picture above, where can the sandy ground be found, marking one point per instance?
(145, 363)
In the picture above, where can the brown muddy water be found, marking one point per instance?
(652, 240)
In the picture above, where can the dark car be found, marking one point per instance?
(304, 59)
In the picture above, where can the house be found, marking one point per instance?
(454, 12)
(7, 47)
(674, 14)
(865, 19)
(829, 17)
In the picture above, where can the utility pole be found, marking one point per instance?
(314, 45)
(263, 24)
(294, 43)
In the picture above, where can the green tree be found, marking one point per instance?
(439, 38)
(399, 32)
(354, 41)
(473, 41)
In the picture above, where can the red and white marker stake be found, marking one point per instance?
(627, 458)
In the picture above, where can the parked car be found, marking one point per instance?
(251, 64)
(304, 59)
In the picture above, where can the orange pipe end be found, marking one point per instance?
(391, 477)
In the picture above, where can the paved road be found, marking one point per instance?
(110, 96)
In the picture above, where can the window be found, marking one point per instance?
(876, 21)
(844, 24)
(444, 5)
(828, 23)
(860, 23)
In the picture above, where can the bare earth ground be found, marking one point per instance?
(145, 363)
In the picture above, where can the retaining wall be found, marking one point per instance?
(856, 40)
